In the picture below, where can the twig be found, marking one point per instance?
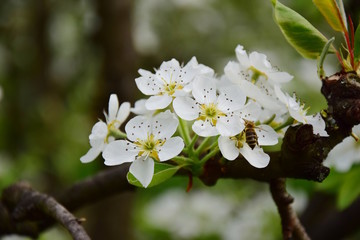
(291, 226)
(32, 204)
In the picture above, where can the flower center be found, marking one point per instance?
(210, 113)
(149, 147)
(239, 139)
(256, 74)
(171, 87)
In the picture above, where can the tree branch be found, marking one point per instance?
(32, 205)
(290, 223)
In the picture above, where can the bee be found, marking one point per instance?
(250, 134)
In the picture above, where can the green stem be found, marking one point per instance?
(184, 132)
(182, 160)
(288, 122)
(202, 146)
(116, 133)
(209, 155)
(192, 143)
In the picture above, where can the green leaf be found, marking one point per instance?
(350, 189)
(357, 44)
(162, 172)
(303, 36)
(330, 10)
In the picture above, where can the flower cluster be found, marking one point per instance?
(235, 114)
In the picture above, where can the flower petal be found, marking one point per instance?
(143, 170)
(242, 57)
(231, 99)
(123, 112)
(113, 107)
(171, 148)
(204, 129)
(158, 102)
(233, 72)
(164, 125)
(98, 134)
(138, 127)
(256, 157)
(118, 152)
(228, 148)
(229, 126)
(204, 89)
(266, 135)
(140, 109)
(91, 155)
(259, 61)
(148, 83)
(186, 108)
(279, 77)
(259, 96)
(318, 124)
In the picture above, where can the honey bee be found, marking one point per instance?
(250, 134)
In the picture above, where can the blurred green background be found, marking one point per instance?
(60, 61)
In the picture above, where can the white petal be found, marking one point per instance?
(204, 129)
(266, 135)
(232, 72)
(164, 125)
(256, 157)
(186, 108)
(231, 99)
(229, 126)
(118, 152)
(204, 89)
(251, 111)
(242, 57)
(98, 134)
(279, 77)
(138, 127)
(318, 124)
(113, 107)
(199, 69)
(143, 170)
(123, 112)
(259, 61)
(148, 83)
(171, 148)
(91, 155)
(158, 102)
(228, 148)
(140, 109)
(259, 96)
(343, 155)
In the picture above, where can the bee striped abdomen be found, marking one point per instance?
(250, 134)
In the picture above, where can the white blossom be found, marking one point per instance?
(169, 81)
(100, 133)
(149, 139)
(231, 147)
(346, 153)
(297, 111)
(140, 109)
(257, 78)
(213, 113)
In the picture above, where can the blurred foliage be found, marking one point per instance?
(51, 72)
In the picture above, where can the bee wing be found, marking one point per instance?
(266, 135)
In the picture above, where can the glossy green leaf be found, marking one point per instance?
(350, 189)
(162, 172)
(357, 44)
(303, 36)
(330, 10)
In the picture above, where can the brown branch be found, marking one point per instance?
(290, 223)
(32, 205)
